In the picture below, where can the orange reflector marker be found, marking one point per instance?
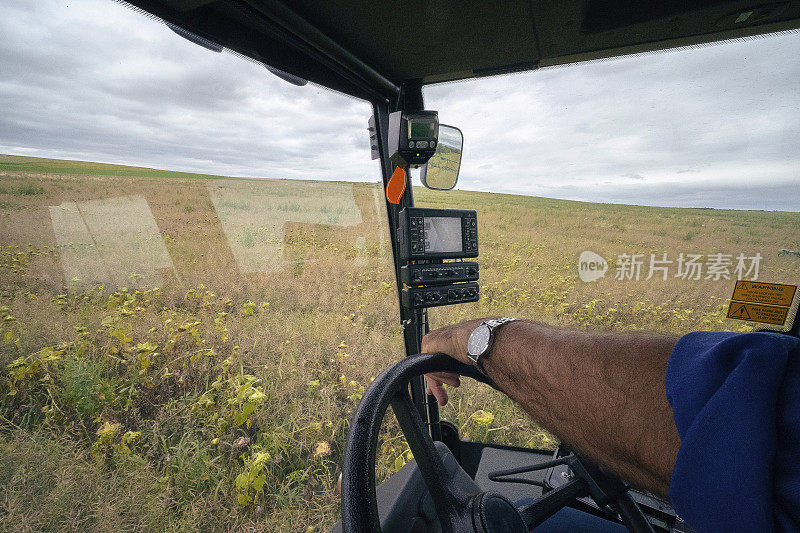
(396, 186)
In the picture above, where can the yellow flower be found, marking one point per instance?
(322, 449)
(482, 418)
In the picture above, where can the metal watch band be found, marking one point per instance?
(493, 325)
(497, 322)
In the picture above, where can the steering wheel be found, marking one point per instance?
(461, 505)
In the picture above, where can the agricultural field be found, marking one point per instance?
(184, 352)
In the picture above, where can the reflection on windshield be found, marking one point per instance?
(180, 233)
(255, 219)
(109, 241)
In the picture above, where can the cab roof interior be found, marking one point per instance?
(370, 49)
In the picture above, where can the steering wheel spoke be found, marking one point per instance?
(436, 476)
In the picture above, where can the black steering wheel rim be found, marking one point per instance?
(359, 507)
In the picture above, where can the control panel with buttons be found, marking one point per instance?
(426, 238)
(439, 273)
(425, 233)
(421, 297)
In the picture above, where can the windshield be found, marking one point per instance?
(196, 267)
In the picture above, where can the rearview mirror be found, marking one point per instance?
(441, 170)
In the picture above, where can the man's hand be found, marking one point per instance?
(450, 340)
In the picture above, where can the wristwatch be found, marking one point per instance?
(480, 340)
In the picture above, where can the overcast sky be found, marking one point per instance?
(717, 126)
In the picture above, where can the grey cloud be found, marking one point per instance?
(717, 126)
(727, 112)
(777, 196)
(635, 176)
(77, 86)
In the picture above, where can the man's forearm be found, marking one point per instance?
(603, 393)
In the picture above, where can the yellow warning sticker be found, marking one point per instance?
(766, 314)
(763, 293)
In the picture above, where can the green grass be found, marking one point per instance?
(29, 189)
(18, 163)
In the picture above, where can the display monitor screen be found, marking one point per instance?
(421, 129)
(443, 234)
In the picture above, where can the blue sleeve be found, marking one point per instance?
(735, 398)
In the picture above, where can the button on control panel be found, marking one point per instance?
(421, 297)
(438, 274)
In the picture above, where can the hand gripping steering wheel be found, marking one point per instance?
(461, 505)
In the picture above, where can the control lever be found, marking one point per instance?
(585, 479)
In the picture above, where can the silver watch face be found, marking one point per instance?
(478, 341)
